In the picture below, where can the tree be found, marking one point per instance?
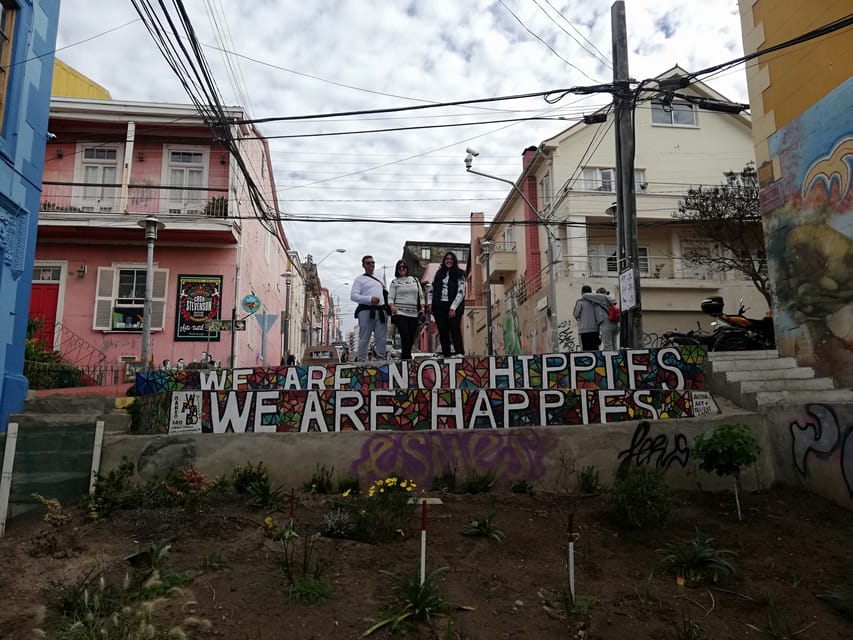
(729, 214)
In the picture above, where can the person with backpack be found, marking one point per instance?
(590, 312)
(609, 329)
(370, 295)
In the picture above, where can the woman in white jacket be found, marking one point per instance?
(406, 300)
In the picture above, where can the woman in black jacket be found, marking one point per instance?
(448, 304)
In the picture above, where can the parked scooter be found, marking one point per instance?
(694, 337)
(740, 333)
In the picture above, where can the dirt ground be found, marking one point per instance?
(791, 546)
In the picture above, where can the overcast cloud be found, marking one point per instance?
(320, 56)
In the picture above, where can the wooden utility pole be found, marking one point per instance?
(627, 251)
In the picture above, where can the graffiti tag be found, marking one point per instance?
(645, 450)
(823, 436)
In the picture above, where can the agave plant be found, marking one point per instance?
(697, 563)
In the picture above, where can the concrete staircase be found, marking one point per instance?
(758, 379)
(76, 406)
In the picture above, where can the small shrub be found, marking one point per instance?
(339, 523)
(729, 449)
(349, 485)
(243, 476)
(187, 487)
(588, 481)
(61, 538)
(303, 573)
(262, 495)
(446, 481)
(479, 482)
(214, 562)
(412, 602)
(640, 499)
(522, 485)
(697, 563)
(321, 481)
(113, 491)
(484, 527)
(378, 516)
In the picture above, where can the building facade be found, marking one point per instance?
(218, 289)
(27, 41)
(802, 98)
(569, 187)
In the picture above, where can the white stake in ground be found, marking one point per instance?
(572, 537)
(423, 541)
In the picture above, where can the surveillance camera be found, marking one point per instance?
(472, 152)
(468, 161)
(51, 136)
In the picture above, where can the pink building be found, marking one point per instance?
(219, 256)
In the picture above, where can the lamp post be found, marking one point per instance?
(330, 253)
(552, 282)
(486, 252)
(151, 225)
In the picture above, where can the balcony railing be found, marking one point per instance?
(143, 198)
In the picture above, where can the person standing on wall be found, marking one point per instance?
(590, 313)
(447, 304)
(609, 329)
(369, 294)
(406, 299)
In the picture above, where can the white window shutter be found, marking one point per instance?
(103, 316)
(158, 298)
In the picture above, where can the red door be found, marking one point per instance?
(43, 308)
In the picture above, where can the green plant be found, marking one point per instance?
(688, 629)
(412, 601)
(778, 627)
(112, 491)
(349, 485)
(446, 481)
(522, 485)
(303, 573)
(640, 499)
(479, 482)
(484, 527)
(187, 487)
(243, 476)
(588, 481)
(321, 480)
(378, 516)
(697, 563)
(577, 607)
(729, 449)
(214, 562)
(262, 495)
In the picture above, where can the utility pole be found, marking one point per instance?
(627, 252)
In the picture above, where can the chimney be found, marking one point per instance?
(527, 156)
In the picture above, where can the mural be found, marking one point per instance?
(510, 456)
(824, 439)
(809, 228)
(656, 451)
(659, 368)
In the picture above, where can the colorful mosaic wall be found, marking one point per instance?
(665, 368)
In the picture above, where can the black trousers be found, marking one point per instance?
(407, 328)
(449, 329)
(590, 341)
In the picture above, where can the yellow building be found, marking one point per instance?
(801, 97)
(70, 83)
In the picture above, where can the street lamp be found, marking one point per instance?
(151, 225)
(552, 282)
(330, 253)
(486, 252)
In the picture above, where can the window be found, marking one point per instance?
(425, 253)
(7, 27)
(98, 171)
(120, 298)
(676, 114)
(187, 170)
(603, 261)
(599, 179)
(545, 192)
(509, 238)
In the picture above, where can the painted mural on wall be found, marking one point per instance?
(809, 227)
(198, 302)
(822, 443)
(454, 393)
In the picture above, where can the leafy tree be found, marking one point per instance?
(730, 214)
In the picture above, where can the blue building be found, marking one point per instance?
(27, 42)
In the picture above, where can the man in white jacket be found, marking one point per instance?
(369, 294)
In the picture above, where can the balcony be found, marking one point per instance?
(503, 263)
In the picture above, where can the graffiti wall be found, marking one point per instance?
(449, 394)
(808, 209)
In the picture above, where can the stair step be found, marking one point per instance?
(715, 356)
(767, 398)
(744, 364)
(811, 384)
(796, 373)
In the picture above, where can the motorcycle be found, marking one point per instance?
(694, 337)
(738, 332)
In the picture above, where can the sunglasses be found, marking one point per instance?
(403, 266)
(370, 262)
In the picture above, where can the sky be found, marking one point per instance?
(308, 57)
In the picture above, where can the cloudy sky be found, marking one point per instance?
(307, 57)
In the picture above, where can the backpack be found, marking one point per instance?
(613, 313)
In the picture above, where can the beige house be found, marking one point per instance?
(571, 181)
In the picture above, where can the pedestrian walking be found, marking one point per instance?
(590, 312)
(609, 329)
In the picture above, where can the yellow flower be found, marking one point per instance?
(346, 493)
(408, 488)
(269, 522)
(403, 484)
(680, 581)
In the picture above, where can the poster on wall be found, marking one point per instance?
(199, 300)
